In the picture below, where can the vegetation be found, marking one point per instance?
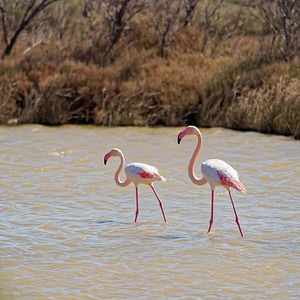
(233, 64)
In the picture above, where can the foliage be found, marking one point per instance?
(207, 63)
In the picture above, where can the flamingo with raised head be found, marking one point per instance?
(215, 171)
(136, 173)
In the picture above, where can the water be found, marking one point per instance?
(67, 231)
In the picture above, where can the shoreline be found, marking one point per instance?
(15, 124)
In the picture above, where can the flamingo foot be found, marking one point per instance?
(137, 204)
(212, 211)
(210, 224)
(239, 226)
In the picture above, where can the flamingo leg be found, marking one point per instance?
(160, 203)
(236, 216)
(137, 203)
(212, 211)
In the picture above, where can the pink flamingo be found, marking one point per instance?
(215, 172)
(137, 173)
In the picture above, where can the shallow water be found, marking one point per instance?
(67, 231)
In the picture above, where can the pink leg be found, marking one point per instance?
(137, 204)
(236, 216)
(212, 211)
(160, 203)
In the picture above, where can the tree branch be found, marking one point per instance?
(3, 22)
(28, 16)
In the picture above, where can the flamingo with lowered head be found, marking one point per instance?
(215, 171)
(136, 173)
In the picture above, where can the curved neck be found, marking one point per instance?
(117, 178)
(192, 175)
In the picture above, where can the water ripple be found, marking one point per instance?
(68, 232)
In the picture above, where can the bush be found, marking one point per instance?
(233, 78)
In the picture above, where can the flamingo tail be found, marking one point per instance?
(239, 186)
(232, 183)
(159, 177)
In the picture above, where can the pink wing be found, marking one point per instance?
(146, 174)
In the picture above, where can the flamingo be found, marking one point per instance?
(136, 173)
(215, 171)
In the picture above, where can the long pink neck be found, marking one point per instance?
(117, 178)
(195, 179)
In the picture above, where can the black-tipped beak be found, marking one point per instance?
(178, 139)
(106, 157)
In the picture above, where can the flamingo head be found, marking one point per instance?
(113, 152)
(187, 131)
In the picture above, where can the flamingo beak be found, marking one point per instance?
(106, 157)
(180, 136)
(178, 139)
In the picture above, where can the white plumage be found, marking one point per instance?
(149, 173)
(211, 169)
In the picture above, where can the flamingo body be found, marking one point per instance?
(215, 171)
(142, 173)
(218, 172)
(138, 173)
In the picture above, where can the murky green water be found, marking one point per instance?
(67, 231)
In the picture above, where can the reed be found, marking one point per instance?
(269, 109)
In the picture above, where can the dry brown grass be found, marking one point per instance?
(270, 109)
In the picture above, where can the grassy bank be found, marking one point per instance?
(223, 79)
